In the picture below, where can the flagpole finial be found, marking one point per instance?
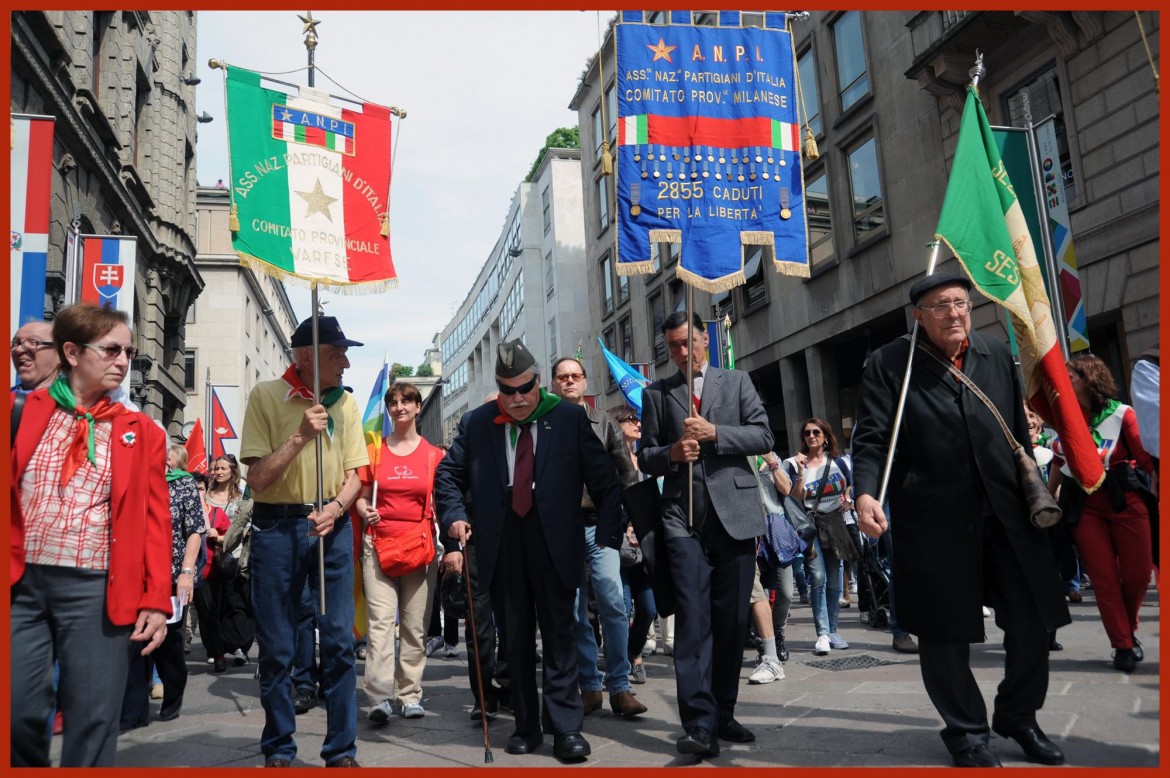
(978, 71)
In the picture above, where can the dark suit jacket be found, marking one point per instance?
(568, 457)
(723, 477)
(140, 509)
(952, 465)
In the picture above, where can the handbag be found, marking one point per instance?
(628, 554)
(227, 565)
(1043, 511)
(404, 546)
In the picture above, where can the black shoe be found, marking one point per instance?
(734, 732)
(1035, 743)
(1125, 660)
(1138, 654)
(1054, 644)
(570, 747)
(978, 755)
(493, 710)
(304, 700)
(220, 664)
(361, 651)
(127, 726)
(523, 744)
(781, 650)
(170, 713)
(698, 742)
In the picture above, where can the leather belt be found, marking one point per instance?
(283, 510)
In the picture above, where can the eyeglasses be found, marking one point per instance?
(30, 344)
(812, 433)
(522, 389)
(566, 377)
(942, 310)
(111, 350)
(631, 421)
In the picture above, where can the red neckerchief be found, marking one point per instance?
(957, 359)
(103, 410)
(296, 386)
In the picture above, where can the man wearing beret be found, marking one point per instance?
(282, 420)
(954, 485)
(523, 461)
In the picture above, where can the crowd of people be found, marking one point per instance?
(521, 527)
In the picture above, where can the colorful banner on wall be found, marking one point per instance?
(107, 268)
(310, 184)
(30, 185)
(708, 149)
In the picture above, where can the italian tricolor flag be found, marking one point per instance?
(310, 184)
(643, 129)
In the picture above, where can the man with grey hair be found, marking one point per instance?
(523, 460)
(34, 357)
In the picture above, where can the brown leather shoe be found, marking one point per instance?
(625, 704)
(343, 761)
(591, 701)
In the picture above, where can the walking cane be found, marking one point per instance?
(483, 717)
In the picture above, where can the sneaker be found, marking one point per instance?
(239, 658)
(804, 598)
(649, 650)
(380, 713)
(865, 617)
(837, 642)
(450, 651)
(638, 673)
(412, 710)
(668, 649)
(156, 691)
(844, 602)
(493, 710)
(853, 586)
(434, 645)
(361, 651)
(986, 612)
(768, 670)
(822, 645)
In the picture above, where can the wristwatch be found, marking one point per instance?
(187, 571)
(339, 505)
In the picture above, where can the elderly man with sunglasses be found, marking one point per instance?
(34, 357)
(523, 461)
(954, 485)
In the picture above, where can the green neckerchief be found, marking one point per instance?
(63, 394)
(547, 401)
(175, 475)
(1109, 408)
(329, 400)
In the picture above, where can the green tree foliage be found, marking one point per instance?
(401, 371)
(424, 370)
(562, 138)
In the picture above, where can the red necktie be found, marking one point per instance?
(522, 475)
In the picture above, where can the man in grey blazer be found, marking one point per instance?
(711, 557)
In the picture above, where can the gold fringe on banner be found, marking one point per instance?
(337, 287)
(666, 236)
(234, 219)
(635, 268)
(757, 238)
(794, 269)
(810, 145)
(711, 285)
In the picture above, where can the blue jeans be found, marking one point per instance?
(824, 590)
(305, 672)
(283, 557)
(606, 574)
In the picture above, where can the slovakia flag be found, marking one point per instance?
(108, 271)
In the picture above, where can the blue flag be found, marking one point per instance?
(709, 150)
(629, 380)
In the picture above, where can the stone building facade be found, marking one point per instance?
(884, 91)
(530, 288)
(123, 164)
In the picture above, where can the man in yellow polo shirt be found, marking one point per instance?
(281, 423)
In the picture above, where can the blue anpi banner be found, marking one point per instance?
(709, 150)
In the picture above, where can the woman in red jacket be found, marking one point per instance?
(1113, 532)
(90, 544)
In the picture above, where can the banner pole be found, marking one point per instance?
(208, 432)
(691, 401)
(1049, 268)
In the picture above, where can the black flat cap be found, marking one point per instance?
(328, 333)
(934, 281)
(512, 359)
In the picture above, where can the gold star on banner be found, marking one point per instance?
(310, 23)
(286, 116)
(661, 51)
(318, 201)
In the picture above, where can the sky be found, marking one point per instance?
(481, 91)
